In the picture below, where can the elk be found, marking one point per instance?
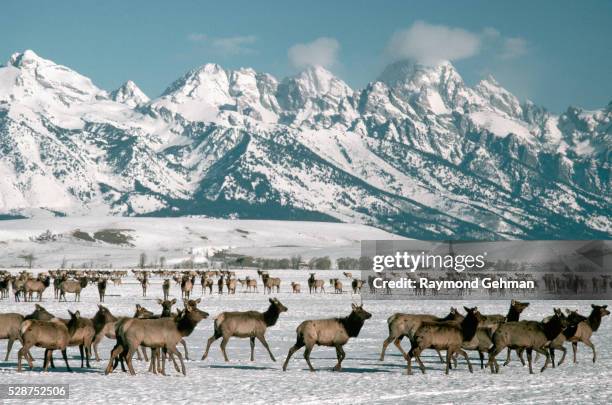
(102, 288)
(356, 284)
(166, 289)
(104, 325)
(38, 286)
(116, 281)
(231, 285)
(334, 332)
(9, 329)
(220, 284)
(144, 283)
(4, 287)
(50, 335)
(295, 287)
(82, 333)
(447, 336)
(73, 287)
(492, 322)
(261, 273)
(401, 325)
(187, 285)
(270, 283)
(251, 284)
(314, 284)
(348, 275)
(337, 286)
(574, 318)
(251, 324)
(585, 329)
(529, 335)
(207, 282)
(162, 333)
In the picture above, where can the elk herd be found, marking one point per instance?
(155, 337)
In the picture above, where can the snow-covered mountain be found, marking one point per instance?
(416, 152)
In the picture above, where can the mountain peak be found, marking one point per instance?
(409, 74)
(129, 93)
(25, 58)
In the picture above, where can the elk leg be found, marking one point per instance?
(211, 340)
(545, 353)
(223, 344)
(551, 350)
(340, 354)
(252, 339)
(384, 347)
(449, 354)
(397, 342)
(409, 362)
(493, 352)
(307, 356)
(440, 356)
(144, 354)
(95, 343)
(82, 357)
(152, 368)
(297, 346)
(65, 356)
(507, 358)
(417, 355)
(8, 349)
(592, 346)
(113, 357)
(262, 339)
(575, 349)
(184, 343)
(519, 353)
(128, 359)
(529, 352)
(467, 359)
(564, 350)
(481, 355)
(46, 360)
(173, 350)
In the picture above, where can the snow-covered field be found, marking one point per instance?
(364, 378)
(176, 239)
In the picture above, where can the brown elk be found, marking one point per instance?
(314, 284)
(144, 282)
(251, 324)
(585, 329)
(348, 275)
(270, 283)
(251, 284)
(4, 287)
(207, 282)
(72, 287)
(337, 286)
(220, 284)
(166, 289)
(9, 329)
(334, 332)
(405, 325)
(187, 285)
(104, 325)
(50, 335)
(38, 286)
(492, 322)
(448, 336)
(162, 333)
(295, 287)
(529, 335)
(82, 333)
(102, 282)
(231, 285)
(357, 284)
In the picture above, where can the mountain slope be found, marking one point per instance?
(417, 152)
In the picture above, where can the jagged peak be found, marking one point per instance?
(129, 93)
(25, 58)
(408, 73)
(196, 76)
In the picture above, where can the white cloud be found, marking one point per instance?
(430, 44)
(513, 48)
(226, 45)
(322, 52)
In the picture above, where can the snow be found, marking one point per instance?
(180, 239)
(500, 125)
(364, 379)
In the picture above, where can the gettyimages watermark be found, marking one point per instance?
(486, 270)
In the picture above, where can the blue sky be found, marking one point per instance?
(556, 53)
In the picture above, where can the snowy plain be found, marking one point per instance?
(364, 378)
